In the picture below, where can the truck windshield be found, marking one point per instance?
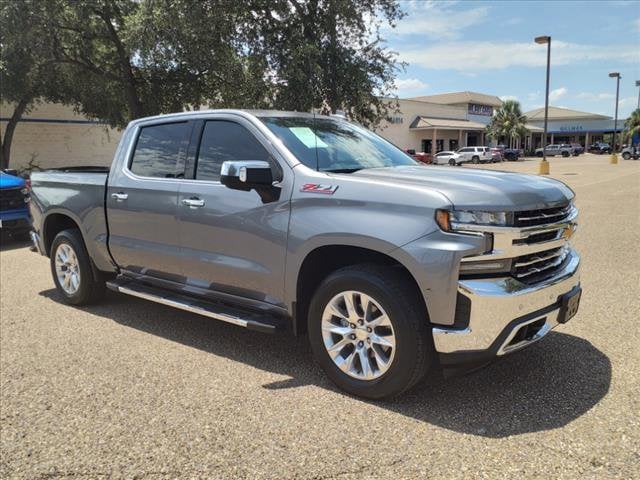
(335, 146)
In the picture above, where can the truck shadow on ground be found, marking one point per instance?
(8, 242)
(543, 387)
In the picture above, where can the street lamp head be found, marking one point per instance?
(637, 83)
(615, 75)
(542, 40)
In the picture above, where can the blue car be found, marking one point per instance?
(14, 205)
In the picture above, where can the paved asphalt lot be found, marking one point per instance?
(131, 389)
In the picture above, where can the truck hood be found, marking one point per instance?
(475, 189)
(9, 181)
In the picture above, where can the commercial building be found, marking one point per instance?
(433, 123)
(53, 135)
(568, 126)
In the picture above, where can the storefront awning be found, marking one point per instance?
(429, 123)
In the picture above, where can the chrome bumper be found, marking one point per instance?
(500, 307)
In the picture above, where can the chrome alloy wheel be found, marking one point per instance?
(67, 268)
(358, 335)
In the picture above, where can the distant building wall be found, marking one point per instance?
(53, 135)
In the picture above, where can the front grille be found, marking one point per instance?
(538, 266)
(540, 217)
(11, 198)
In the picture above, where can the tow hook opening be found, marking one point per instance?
(527, 332)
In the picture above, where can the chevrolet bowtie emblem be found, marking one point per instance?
(568, 232)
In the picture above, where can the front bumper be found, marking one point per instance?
(15, 220)
(499, 309)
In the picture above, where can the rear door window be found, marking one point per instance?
(160, 151)
(223, 141)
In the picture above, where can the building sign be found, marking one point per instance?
(475, 109)
(571, 128)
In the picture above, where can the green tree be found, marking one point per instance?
(328, 55)
(129, 59)
(632, 125)
(27, 70)
(508, 122)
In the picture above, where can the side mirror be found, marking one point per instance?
(246, 174)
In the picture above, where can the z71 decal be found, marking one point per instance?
(317, 188)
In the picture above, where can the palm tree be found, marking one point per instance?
(509, 122)
(632, 126)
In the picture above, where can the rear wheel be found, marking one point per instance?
(368, 331)
(452, 162)
(475, 159)
(71, 269)
(565, 154)
(626, 155)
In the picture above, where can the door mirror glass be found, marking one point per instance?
(246, 174)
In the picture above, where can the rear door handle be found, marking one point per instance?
(193, 202)
(120, 197)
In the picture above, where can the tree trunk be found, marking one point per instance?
(5, 150)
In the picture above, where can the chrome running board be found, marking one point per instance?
(251, 320)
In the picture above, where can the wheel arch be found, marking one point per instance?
(54, 223)
(322, 260)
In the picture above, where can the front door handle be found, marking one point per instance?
(193, 202)
(120, 197)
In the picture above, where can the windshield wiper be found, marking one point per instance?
(343, 170)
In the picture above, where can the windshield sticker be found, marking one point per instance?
(306, 136)
(317, 188)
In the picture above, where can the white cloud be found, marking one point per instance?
(410, 84)
(475, 56)
(438, 20)
(623, 102)
(557, 93)
(595, 96)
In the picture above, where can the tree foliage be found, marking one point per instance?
(632, 126)
(508, 122)
(117, 60)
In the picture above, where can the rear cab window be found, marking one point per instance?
(160, 150)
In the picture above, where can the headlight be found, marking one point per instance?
(457, 219)
(497, 219)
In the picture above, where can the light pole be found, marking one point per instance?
(614, 156)
(638, 85)
(544, 165)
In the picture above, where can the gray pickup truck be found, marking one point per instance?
(288, 221)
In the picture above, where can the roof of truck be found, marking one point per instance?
(255, 113)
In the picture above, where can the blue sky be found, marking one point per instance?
(488, 47)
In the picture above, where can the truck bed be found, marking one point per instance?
(79, 193)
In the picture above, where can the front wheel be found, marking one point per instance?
(368, 331)
(452, 162)
(626, 155)
(71, 269)
(475, 160)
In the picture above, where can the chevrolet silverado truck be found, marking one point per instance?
(288, 221)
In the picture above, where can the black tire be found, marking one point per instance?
(397, 295)
(539, 154)
(565, 154)
(90, 289)
(452, 162)
(626, 155)
(475, 159)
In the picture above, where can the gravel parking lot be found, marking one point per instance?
(132, 389)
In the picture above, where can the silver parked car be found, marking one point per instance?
(553, 150)
(473, 155)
